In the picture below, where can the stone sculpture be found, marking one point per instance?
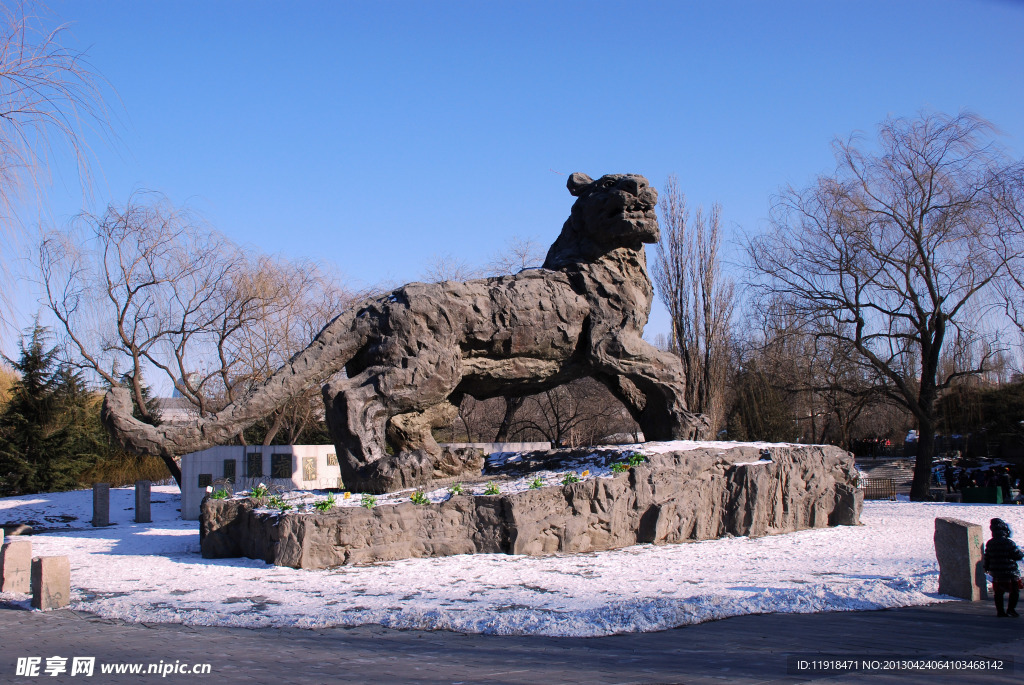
(411, 355)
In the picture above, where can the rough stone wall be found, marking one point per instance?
(675, 497)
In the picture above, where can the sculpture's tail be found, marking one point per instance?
(330, 350)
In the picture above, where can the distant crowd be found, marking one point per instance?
(957, 478)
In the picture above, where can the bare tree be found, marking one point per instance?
(145, 288)
(888, 254)
(445, 267)
(577, 413)
(1009, 215)
(687, 271)
(519, 253)
(50, 101)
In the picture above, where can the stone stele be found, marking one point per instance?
(16, 566)
(678, 496)
(958, 551)
(51, 582)
(410, 356)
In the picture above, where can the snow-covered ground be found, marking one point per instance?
(153, 572)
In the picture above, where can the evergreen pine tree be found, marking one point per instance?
(47, 435)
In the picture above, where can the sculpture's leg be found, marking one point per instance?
(414, 430)
(356, 419)
(399, 403)
(649, 384)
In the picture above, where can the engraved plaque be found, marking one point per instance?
(254, 465)
(309, 468)
(332, 459)
(229, 470)
(205, 479)
(280, 466)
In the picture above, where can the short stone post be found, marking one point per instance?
(143, 491)
(15, 566)
(51, 582)
(101, 504)
(958, 550)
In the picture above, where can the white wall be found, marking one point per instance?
(209, 465)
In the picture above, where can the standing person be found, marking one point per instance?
(1001, 557)
(1003, 481)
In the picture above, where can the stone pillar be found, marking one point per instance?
(101, 504)
(143, 490)
(958, 550)
(51, 582)
(15, 566)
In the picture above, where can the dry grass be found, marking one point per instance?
(125, 470)
(7, 379)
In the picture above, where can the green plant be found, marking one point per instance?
(457, 489)
(570, 477)
(275, 502)
(636, 458)
(492, 489)
(536, 483)
(220, 494)
(324, 504)
(368, 501)
(419, 498)
(259, 492)
(619, 467)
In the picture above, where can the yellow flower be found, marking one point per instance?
(348, 495)
(585, 473)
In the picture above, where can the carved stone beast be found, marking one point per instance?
(410, 356)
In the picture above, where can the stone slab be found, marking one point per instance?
(101, 504)
(678, 496)
(16, 566)
(143, 495)
(51, 582)
(958, 548)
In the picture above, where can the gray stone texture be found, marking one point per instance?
(51, 582)
(16, 566)
(101, 504)
(958, 548)
(675, 497)
(143, 495)
(411, 356)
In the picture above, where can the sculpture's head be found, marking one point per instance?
(616, 210)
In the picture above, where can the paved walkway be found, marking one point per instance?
(744, 650)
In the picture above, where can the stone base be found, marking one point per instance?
(677, 496)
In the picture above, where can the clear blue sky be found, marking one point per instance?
(376, 134)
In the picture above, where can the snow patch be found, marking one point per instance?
(154, 572)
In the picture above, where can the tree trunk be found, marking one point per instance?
(274, 428)
(173, 467)
(921, 486)
(512, 405)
